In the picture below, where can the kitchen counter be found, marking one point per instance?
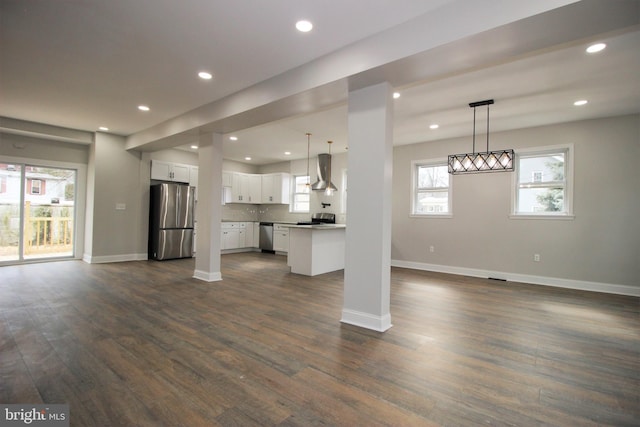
(314, 226)
(316, 249)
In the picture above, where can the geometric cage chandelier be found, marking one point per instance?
(484, 161)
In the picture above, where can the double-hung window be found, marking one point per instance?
(543, 183)
(300, 200)
(431, 188)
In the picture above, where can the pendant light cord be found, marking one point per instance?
(487, 128)
(473, 150)
(308, 154)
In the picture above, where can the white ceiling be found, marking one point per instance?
(85, 64)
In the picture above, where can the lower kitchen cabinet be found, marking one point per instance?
(280, 238)
(229, 239)
(238, 235)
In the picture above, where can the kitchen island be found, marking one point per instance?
(316, 249)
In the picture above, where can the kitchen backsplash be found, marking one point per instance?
(280, 213)
(240, 212)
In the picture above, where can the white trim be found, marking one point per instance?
(547, 216)
(609, 288)
(366, 320)
(292, 192)
(568, 179)
(441, 161)
(80, 197)
(114, 258)
(206, 276)
(431, 216)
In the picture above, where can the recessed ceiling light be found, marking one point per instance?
(204, 75)
(143, 108)
(396, 95)
(434, 126)
(304, 26)
(580, 102)
(103, 128)
(596, 47)
(195, 147)
(233, 138)
(247, 158)
(287, 153)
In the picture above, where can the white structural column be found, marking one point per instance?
(209, 208)
(368, 235)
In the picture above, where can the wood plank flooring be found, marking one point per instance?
(144, 344)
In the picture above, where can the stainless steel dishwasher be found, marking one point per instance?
(266, 236)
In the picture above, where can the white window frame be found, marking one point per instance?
(415, 164)
(39, 187)
(568, 182)
(294, 194)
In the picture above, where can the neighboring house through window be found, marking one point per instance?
(543, 182)
(431, 188)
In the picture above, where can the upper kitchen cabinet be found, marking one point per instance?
(275, 188)
(240, 188)
(255, 188)
(165, 171)
(258, 189)
(246, 188)
(227, 179)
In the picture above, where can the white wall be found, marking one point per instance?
(36, 148)
(601, 245)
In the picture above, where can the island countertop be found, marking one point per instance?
(314, 226)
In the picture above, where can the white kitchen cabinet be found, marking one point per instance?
(227, 179)
(248, 237)
(165, 171)
(240, 188)
(229, 238)
(255, 188)
(280, 238)
(229, 235)
(246, 188)
(275, 188)
(242, 237)
(272, 188)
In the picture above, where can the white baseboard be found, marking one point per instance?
(206, 276)
(114, 258)
(582, 285)
(366, 320)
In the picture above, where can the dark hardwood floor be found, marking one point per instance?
(144, 344)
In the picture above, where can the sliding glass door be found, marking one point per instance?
(37, 212)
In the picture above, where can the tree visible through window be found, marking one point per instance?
(542, 182)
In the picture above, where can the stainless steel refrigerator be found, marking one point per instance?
(171, 221)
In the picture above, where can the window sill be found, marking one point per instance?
(431, 216)
(563, 217)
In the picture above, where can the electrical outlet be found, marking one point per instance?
(536, 257)
(432, 249)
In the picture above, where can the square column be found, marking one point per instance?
(209, 208)
(368, 235)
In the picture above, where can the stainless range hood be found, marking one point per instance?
(324, 173)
